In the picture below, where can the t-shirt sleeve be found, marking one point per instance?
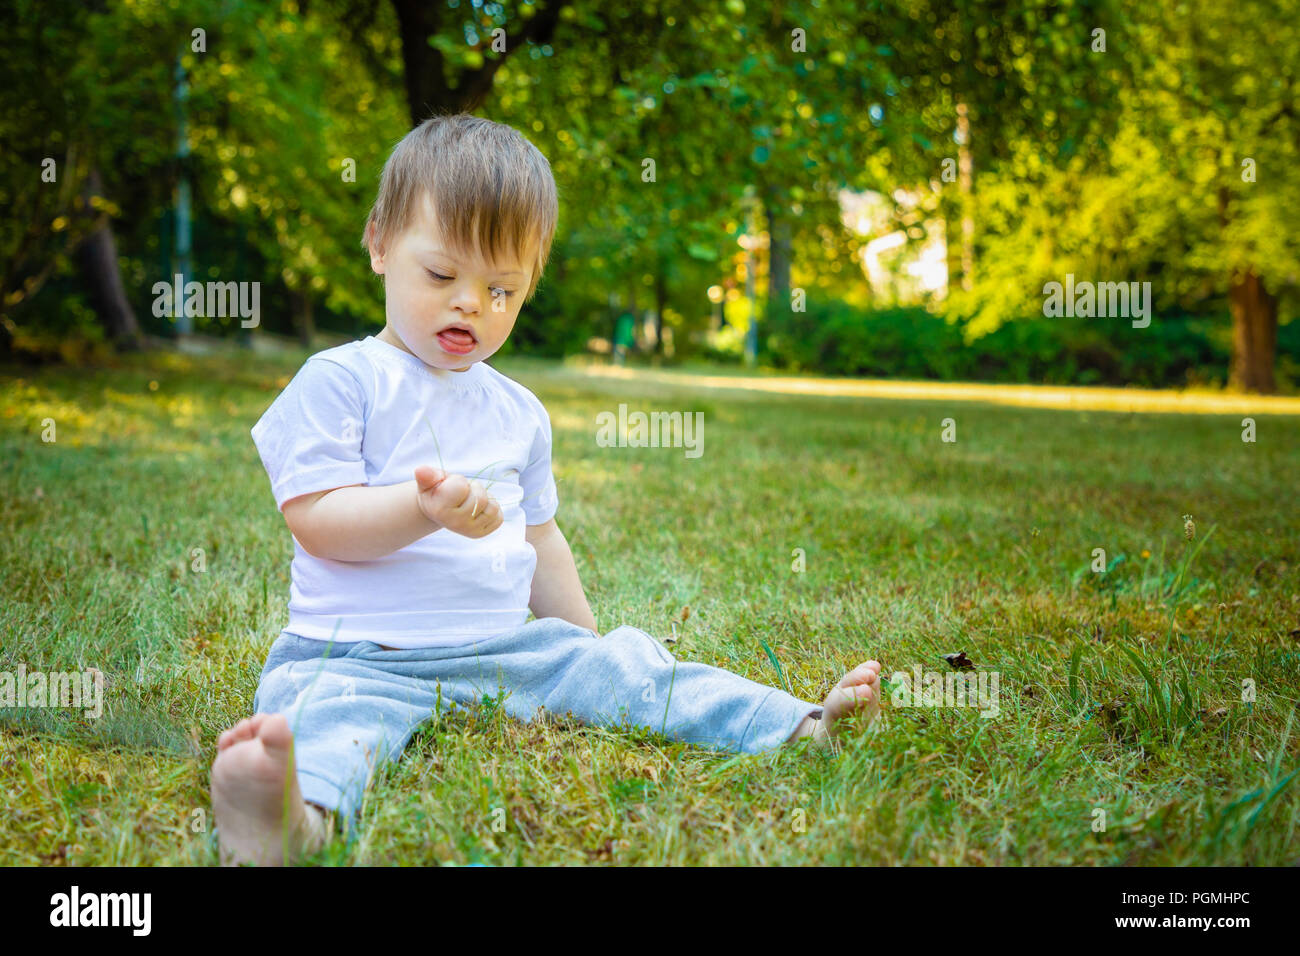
(310, 438)
(540, 501)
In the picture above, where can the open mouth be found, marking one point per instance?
(458, 341)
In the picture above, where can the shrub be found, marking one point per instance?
(909, 342)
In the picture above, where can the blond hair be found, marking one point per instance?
(492, 191)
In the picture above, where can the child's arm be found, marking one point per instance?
(364, 522)
(557, 591)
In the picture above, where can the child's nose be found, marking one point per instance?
(468, 300)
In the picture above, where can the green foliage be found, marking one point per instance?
(1147, 577)
(910, 342)
(557, 321)
(62, 102)
(1125, 163)
(1180, 181)
(282, 109)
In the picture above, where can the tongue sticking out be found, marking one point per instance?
(458, 336)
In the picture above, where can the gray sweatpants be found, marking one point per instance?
(353, 706)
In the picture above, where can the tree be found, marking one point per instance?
(430, 53)
(58, 120)
(289, 134)
(1189, 188)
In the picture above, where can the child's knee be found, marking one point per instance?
(625, 667)
(275, 692)
(634, 644)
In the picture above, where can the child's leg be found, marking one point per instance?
(325, 721)
(628, 675)
(261, 815)
(347, 716)
(625, 676)
(355, 706)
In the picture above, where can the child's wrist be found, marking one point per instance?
(431, 524)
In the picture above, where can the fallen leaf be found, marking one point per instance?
(959, 661)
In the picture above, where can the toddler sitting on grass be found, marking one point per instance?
(411, 586)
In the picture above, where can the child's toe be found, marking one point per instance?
(862, 674)
(246, 729)
(854, 695)
(274, 732)
(255, 724)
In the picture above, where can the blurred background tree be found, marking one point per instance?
(1189, 188)
(709, 158)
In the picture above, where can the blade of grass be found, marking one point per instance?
(771, 656)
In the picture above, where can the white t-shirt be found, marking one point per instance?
(367, 413)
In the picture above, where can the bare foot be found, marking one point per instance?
(858, 692)
(260, 814)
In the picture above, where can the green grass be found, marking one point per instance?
(1120, 692)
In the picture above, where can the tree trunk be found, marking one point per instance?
(965, 185)
(97, 260)
(427, 90)
(1254, 333)
(304, 321)
(751, 268)
(778, 230)
(638, 319)
(661, 301)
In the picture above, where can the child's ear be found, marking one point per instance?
(376, 253)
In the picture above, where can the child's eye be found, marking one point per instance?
(441, 278)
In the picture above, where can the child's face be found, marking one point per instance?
(419, 304)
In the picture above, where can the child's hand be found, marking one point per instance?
(457, 503)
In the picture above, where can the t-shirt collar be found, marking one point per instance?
(458, 380)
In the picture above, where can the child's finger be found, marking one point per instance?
(490, 513)
(455, 490)
(428, 478)
(477, 497)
